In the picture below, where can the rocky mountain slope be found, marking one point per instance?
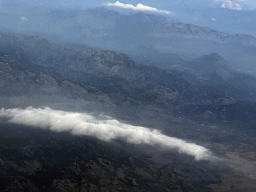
(40, 64)
(112, 82)
(214, 70)
(47, 161)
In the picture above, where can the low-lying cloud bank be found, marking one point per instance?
(103, 128)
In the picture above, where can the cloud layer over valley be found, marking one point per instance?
(102, 127)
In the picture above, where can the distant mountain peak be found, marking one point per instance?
(211, 67)
(212, 57)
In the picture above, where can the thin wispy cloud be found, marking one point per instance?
(103, 127)
(138, 7)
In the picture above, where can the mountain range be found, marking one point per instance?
(134, 34)
(92, 100)
(34, 71)
(34, 61)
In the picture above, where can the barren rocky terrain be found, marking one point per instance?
(35, 72)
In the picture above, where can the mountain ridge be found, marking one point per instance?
(180, 28)
(114, 73)
(107, 29)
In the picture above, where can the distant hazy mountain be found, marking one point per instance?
(157, 25)
(211, 64)
(137, 34)
(214, 70)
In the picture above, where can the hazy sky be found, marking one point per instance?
(168, 5)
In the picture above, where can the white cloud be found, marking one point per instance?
(102, 127)
(214, 19)
(23, 18)
(231, 4)
(139, 7)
